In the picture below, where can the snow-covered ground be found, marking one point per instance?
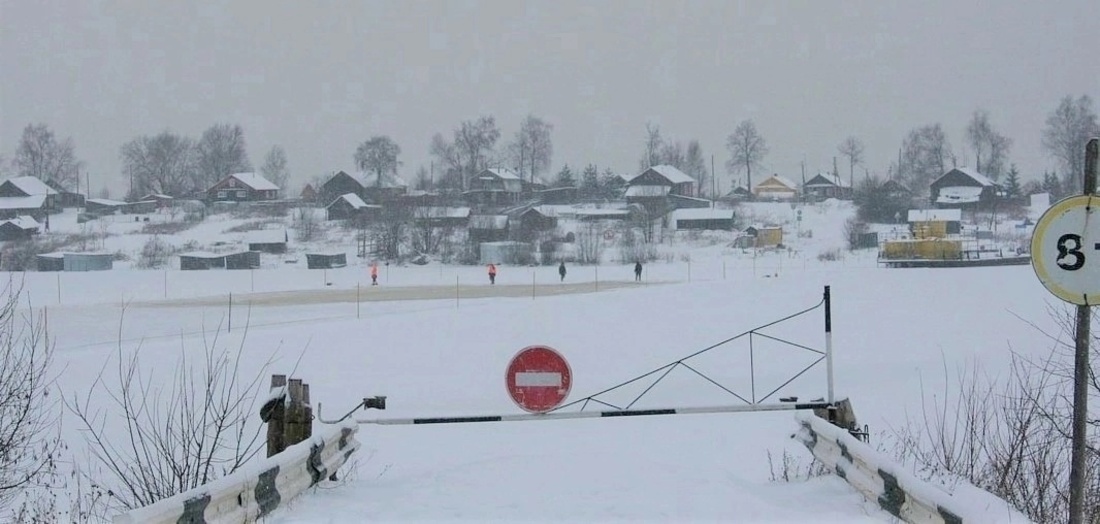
(895, 332)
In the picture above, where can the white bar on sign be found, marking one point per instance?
(538, 379)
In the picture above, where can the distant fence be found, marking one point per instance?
(881, 481)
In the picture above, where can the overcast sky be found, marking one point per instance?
(320, 77)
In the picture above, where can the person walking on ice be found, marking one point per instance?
(638, 271)
(492, 274)
(374, 273)
(561, 270)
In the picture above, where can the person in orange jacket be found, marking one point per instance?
(492, 274)
(374, 273)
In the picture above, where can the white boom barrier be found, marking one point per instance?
(895, 490)
(256, 490)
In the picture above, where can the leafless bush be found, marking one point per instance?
(853, 228)
(306, 225)
(253, 225)
(830, 255)
(175, 436)
(29, 417)
(165, 228)
(634, 248)
(1011, 438)
(154, 254)
(589, 243)
(792, 469)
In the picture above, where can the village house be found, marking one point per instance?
(18, 228)
(379, 189)
(824, 186)
(350, 207)
(494, 187)
(340, 183)
(27, 195)
(776, 187)
(963, 188)
(243, 187)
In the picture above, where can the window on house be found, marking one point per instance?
(221, 194)
(240, 194)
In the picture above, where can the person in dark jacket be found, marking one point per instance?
(638, 271)
(561, 270)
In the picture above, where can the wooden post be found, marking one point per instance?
(276, 419)
(307, 413)
(295, 432)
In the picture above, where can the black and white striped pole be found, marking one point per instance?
(788, 406)
(829, 344)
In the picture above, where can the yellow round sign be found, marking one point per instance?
(1065, 249)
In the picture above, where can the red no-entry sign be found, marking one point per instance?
(538, 379)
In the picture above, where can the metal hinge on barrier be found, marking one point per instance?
(376, 402)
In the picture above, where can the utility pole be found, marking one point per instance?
(713, 182)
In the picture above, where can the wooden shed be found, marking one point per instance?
(50, 261)
(201, 260)
(18, 228)
(88, 261)
(326, 260)
(243, 260)
(268, 241)
(766, 236)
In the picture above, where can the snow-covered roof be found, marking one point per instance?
(370, 180)
(978, 177)
(489, 222)
(201, 254)
(255, 181)
(935, 215)
(647, 191)
(959, 195)
(443, 212)
(353, 199)
(602, 213)
(702, 213)
(672, 174)
(105, 202)
(267, 236)
(503, 173)
(22, 222)
(826, 180)
(157, 196)
(781, 179)
(32, 186)
(27, 202)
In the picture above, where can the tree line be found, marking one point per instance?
(175, 164)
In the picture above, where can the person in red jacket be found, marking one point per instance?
(374, 273)
(492, 274)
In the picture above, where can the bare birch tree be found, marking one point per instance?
(41, 155)
(532, 148)
(987, 144)
(852, 149)
(219, 153)
(747, 149)
(1068, 129)
(378, 156)
(163, 163)
(275, 168)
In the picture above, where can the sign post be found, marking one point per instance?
(1065, 253)
(538, 379)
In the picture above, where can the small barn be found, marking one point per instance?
(706, 218)
(32, 206)
(824, 186)
(488, 228)
(935, 223)
(243, 260)
(437, 216)
(308, 195)
(534, 219)
(88, 261)
(350, 206)
(50, 261)
(766, 236)
(103, 206)
(507, 252)
(326, 260)
(737, 194)
(18, 228)
(197, 260)
(160, 200)
(268, 241)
